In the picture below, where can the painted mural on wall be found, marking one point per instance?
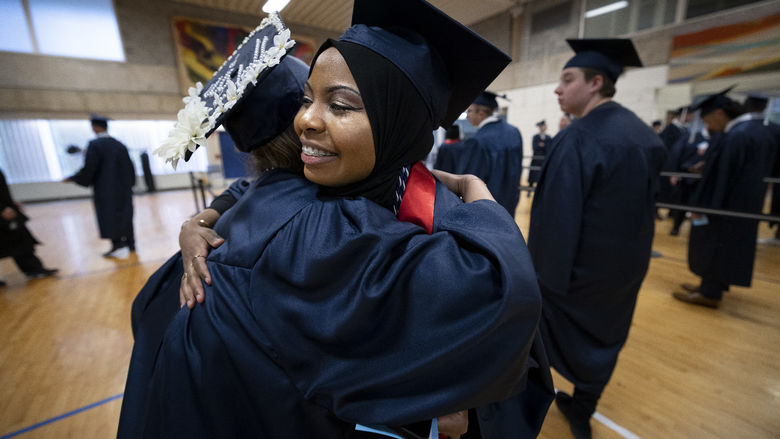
(740, 48)
(203, 46)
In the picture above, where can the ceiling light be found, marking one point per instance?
(599, 11)
(274, 5)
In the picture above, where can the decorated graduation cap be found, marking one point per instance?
(714, 102)
(607, 55)
(447, 63)
(254, 94)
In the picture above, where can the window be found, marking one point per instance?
(697, 8)
(36, 150)
(74, 28)
(610, 18)
(551, 18)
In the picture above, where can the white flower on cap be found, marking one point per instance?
(196, 120)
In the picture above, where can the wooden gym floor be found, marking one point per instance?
(686, 372)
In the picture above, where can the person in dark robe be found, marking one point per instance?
(452, 137)
(110, 172)
(361, 373)
(564, 122)
(592, 224)
(148, 176)
(657, 126)
(539, 145)
(759, 103)
(16, 241)
(722, 249)
(680, 150)
(494, 153)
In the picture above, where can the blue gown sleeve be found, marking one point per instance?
(87, 174)
(230, 196)
(382, 323)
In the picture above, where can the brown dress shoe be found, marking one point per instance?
(693, 288)
(697, 299)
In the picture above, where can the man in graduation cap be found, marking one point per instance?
(682, 156)
(760, 104)
(592, 224)
(539, 145)
(722, 249)
(110, 172)
(494, 153)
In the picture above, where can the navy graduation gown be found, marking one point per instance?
(590, 238)
(110, 172)
(384, 356)
(539, 145)
(724, 250)
(494, 154)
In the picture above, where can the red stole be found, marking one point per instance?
(419, 198)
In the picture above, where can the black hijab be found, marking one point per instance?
(400, 122)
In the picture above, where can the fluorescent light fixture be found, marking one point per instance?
(274, 5)
(598, 11)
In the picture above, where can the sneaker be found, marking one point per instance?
(43, 272)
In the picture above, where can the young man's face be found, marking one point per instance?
(574, 93)
(475, 114)
(716, 120)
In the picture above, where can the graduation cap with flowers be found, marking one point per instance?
(225, 95)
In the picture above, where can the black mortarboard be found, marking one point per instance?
(713, 102)
(607, 55)
(541, 122)
(488, 99)
(460, 66)
(97, 118)
(755, 102)
(255, 94)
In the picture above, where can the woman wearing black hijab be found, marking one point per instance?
(327, 311)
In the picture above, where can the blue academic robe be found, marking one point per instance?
(539, 145)
(592, 225)
(110, 172)
(494, 154)
(389, 342)
(724, 249)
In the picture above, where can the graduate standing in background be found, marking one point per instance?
(722, 249)
(110, 172)
(592, 224)
(539, 145)
(494, 153)
(15, 240)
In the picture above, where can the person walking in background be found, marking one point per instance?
(110, 172)
(539, 145)
(15, 240)
(592, 224)
(722, 249)
(494, 153)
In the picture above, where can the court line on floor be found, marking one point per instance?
(612, 426)
(62, 416)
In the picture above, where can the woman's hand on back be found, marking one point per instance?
(469, 187)
(196, 240)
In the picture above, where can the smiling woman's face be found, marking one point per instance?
(338, 146)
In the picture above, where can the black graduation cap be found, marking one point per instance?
(98, 118)
(488, 99)
(464, 63)
(756, 102)
(713, 102)
(255, 94)
(608, 55)
(541, 122)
